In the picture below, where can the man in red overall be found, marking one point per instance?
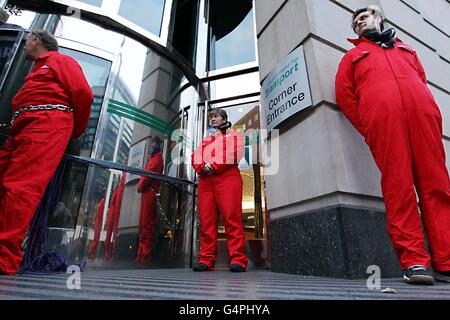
(112, 221)
(220, 190)
(52, 106)
(382, 89)
(148, 188)
(97, 227)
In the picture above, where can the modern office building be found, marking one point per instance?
(312, 203)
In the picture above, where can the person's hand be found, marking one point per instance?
(208, 169)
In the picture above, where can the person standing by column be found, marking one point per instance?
(220, 191)
(52, 106)
(382, 89)
(148, 188)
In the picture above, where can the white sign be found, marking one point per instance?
(285, 90)
(136, 159)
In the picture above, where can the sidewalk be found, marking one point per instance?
(169, 284)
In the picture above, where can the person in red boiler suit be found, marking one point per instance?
(97, 227)
(112, 221)
(52, 106)
(148, 188)
(382, 89)
(220, 190)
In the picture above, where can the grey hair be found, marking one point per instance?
(47, 39)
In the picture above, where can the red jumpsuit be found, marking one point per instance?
(38, 139)
(384, 94)
(147, 220)
(112, 221)
(220, 192)
(97, 227)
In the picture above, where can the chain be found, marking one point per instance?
(42, 107)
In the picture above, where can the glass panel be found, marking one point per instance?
(145, 13)
(97, 3)
(232, 36)
(97, 72)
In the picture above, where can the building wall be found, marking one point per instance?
(325, 164)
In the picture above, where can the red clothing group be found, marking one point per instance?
(220, 193)
(36, 145)
(384, 94)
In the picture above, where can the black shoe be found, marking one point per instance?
(443, 276)
(237, 268)
(200, 267)
(418, 275)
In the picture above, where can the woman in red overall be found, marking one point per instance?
(220, 190)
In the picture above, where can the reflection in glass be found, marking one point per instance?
(232, 36)
(96, 71)
(145, 13)
(97, 3)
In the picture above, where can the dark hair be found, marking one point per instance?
(156, 139)
(220, 112)
(373, 10)
(47, 39)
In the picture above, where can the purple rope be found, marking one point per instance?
(35, 259)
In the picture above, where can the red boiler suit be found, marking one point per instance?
(384, 94)
(112, 221)
(38, 139)
(147, 220)
(220, 192)
(97, 227)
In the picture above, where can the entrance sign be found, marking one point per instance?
(286, 90)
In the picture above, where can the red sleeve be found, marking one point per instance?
(197, 160)
(421, 70)
(233, 151)
(70, 74)
(345, 93)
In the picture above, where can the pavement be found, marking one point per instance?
(174, 284)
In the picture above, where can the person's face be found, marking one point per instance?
(365, 22)
(216, 120)
(31, 46)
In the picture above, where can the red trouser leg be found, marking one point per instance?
(430, 172)
(109, 229)
(147, 223)
(115, 229)
(28, 160)
(208, 215)
(389, 142)
(228, 192)
(97, 229)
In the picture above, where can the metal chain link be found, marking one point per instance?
(41, 107)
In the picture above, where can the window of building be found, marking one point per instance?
(145, 13)
(231, 33)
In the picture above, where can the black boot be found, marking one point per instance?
(200, 267)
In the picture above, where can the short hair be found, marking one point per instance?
(220, 112)
(373, 10)
(156, 139)
(47, 39)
